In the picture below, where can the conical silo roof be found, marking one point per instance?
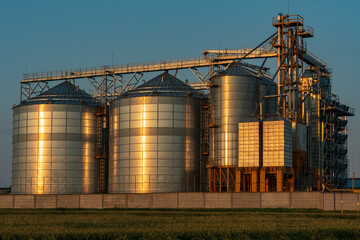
(163, 85)
(236, 70)
(63, 93)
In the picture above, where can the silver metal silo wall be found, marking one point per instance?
(54, 149)
(154, 144)
(234, 100)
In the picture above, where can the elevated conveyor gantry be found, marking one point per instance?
(110, 79)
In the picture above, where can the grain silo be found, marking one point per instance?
(155, 138)
(54, 143)
(235, 95)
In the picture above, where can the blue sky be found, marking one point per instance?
(53, 35)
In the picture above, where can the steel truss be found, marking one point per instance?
(110, 85)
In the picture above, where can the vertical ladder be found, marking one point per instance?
(204, 143)
(100, 152)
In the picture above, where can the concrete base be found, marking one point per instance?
(275, 200)
(91, 201)
(45, 201)
(115, 201)
(317, 200)
(68, 201)
(246, 200)
(214, 200)
(139, 200)
(6, 201)
(24, 201)
(192, 200)
(165, 200)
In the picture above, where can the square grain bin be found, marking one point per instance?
(277, 143)
(250, 138)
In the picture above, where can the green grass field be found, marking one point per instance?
(178, 224)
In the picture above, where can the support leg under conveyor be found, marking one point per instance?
(285, 179)
(238, 180)
(254, 180)
(279, 179)
(263, 179)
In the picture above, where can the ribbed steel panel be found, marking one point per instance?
(299, 132)
(155, 143)
(54, 149)
(250, 137)
(235, 97)
(277, 143)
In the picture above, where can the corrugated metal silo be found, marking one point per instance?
(235, 95)
(54, 143)
(155, 138)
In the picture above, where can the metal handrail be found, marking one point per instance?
(109, 68)
(140, 66)
(227, 52)
(307, 29)
(289, 18)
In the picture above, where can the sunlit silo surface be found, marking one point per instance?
(235, 94)
(54, 143)
(155, 138)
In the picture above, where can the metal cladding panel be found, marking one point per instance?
(235, 98)
(249, 144)
(277, 143)
(268, 104)
(299, 132)
(54, 149)
(154, 145)
(315, 130)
